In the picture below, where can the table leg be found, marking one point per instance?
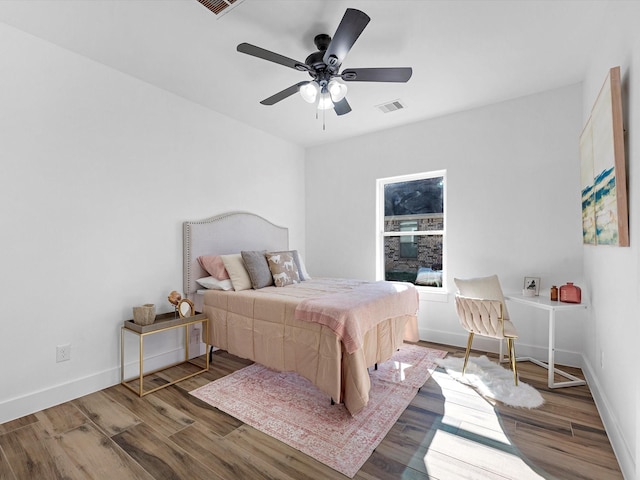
(552, 347)
(550, 365)
(140, 376)
(551, 361)
(186, 342)
(121, 354)
(141, 365)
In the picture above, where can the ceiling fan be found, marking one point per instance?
(324, 66)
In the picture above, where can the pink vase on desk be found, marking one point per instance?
(570, 293)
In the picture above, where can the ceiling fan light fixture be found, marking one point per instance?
(325, 103)
(309, 92)
(323, 66)
(337, 90)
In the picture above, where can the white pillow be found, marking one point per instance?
(237, 272)
(212, 283)
(303, 269)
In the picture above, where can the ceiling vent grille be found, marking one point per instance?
(391, 106)
(220, 7)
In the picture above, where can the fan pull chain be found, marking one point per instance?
(323, 116)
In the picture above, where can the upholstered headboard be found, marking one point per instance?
(226, 234)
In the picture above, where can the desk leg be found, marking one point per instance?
(551, 363)
(552, 347)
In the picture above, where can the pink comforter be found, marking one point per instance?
(351, 314)
(261, 325)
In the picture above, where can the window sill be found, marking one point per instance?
(432, 295)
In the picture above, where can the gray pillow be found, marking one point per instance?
(258, 268)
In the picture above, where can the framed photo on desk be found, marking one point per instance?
(532, 283)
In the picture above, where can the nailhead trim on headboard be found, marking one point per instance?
(226, 234)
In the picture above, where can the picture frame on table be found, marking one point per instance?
(532, 284)
(185, 308)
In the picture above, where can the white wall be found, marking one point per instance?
(612, 272)
(99, 170)
(513, 209)
(513, 206)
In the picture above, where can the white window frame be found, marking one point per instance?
(381, 234)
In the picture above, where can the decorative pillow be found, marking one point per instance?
(302, 275)
(212, 283)
(283, 268)
(237, 272)
(258, 268)
(214, 266)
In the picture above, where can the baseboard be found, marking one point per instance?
(562, 357)
(39, 400)
(620, 447)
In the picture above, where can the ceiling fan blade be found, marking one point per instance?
(272, 57)
(392, 74)
(350, 28)
(287, 92)
(342, 107)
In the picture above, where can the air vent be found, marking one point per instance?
(391, 106)
(220, 7)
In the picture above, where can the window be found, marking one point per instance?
(408, 243)
(411, 226)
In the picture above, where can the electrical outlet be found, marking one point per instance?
(63, 353)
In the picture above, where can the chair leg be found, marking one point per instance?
(512, 359)
(466, 355)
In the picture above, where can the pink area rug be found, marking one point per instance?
(291, 409)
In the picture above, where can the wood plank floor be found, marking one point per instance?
(447, 432)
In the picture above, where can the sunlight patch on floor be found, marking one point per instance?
(400, 367)
(452, 456)
(470, 442)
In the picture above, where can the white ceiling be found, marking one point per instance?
(464, 54)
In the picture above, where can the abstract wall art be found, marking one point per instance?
(605, 219)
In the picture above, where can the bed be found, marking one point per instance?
(278, 326)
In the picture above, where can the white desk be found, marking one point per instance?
(552, 307)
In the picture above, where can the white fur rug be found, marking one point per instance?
(493, 381)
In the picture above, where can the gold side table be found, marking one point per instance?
(163, 323)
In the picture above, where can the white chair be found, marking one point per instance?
(482, 311)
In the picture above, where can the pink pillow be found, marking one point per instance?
(214, 266)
